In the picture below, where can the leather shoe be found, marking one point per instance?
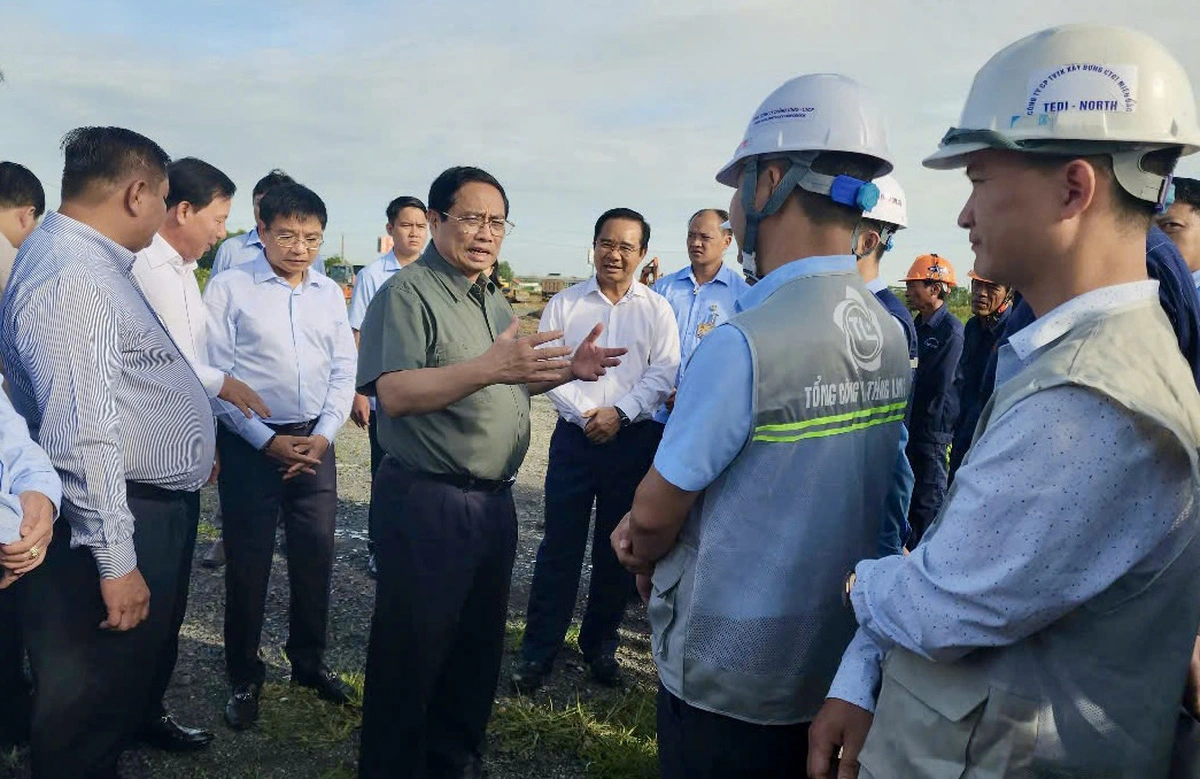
(241, 710)
(528, 677)
(168, 735)
(328, 685)
(606, 671)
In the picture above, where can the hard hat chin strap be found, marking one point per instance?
(846, 190)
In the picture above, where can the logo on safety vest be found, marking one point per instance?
(864, 336)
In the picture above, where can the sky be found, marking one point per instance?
(574, 107)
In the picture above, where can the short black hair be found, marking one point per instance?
(268, 182)
(721, 213)
(19, 188)
(291, 200)
(1129, 209)
(445, 187)
(623, 213)
(821, 209)
(1187, 191)
(196, 182)
(108, 155)
(404, 201)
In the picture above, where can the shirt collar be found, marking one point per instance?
(1058, 322)
(160, 252)
(725, 276)
(58, 224)
(263, 272)
(796, 269)
(636, 290)
(875, 285)
(937, 316)
(458, 285)
(252, 238)
(389, 261)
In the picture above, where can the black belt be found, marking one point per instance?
(294, 428)
(467, 483)
(143, 491)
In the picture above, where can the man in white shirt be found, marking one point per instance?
(602, 447)
(197, 207)
(282, 329)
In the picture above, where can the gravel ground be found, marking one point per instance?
(199, 690)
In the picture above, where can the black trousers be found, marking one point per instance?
(14, 689)
(254, 496)
(697, 744)
(578, 475)
(445, 557)
(376, 459)
(930, 478)
(93, 689)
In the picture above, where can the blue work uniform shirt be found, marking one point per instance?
(934, 404)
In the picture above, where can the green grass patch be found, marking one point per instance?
(290, 713)
(614, 736)
(207, 532)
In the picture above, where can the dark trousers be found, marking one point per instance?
(930, 475)
(93, 689)
(697, 744)
(376, 459)
(254, 496)
(578, 475)
(14, 689)
(445, 557)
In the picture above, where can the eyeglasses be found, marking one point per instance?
(611, 247)
(290, 241)
(471, 223)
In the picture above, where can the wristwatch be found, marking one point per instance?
(623, 417)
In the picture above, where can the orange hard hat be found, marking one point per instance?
(971, 273)
(931, 267)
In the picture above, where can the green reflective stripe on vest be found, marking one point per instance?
(846, 423)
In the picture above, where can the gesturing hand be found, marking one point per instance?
(590, 362)
(838, 725)
(513, 360)
(247, 400)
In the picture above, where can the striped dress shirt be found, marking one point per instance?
(106, 392)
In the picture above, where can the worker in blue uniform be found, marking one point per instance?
(934, 404)
(876, 236)
(991, 305)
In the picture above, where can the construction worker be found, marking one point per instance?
(1043, 626)
(934, 404)
(990, 306)
(1181, 223)
(773, 473)
(877, 232)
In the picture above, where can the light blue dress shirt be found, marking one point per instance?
(368, 282)
(714, 418)
(23, 467)
(698, 308)
(241, 249)
(293, 347)
(1021, 544)
(1196, 279)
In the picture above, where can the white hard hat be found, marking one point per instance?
(1079, 89)
(813, 113)
(891, 208)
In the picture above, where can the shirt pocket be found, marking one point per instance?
(452, 352)
(661, 609)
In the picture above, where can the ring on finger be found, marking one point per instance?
(34, 552)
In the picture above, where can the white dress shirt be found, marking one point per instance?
(292, 346)
(643, 323)
(169, 283)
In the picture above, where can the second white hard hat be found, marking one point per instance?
(813, 113)
(891, 207)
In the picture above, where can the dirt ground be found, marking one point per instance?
(199, 690)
